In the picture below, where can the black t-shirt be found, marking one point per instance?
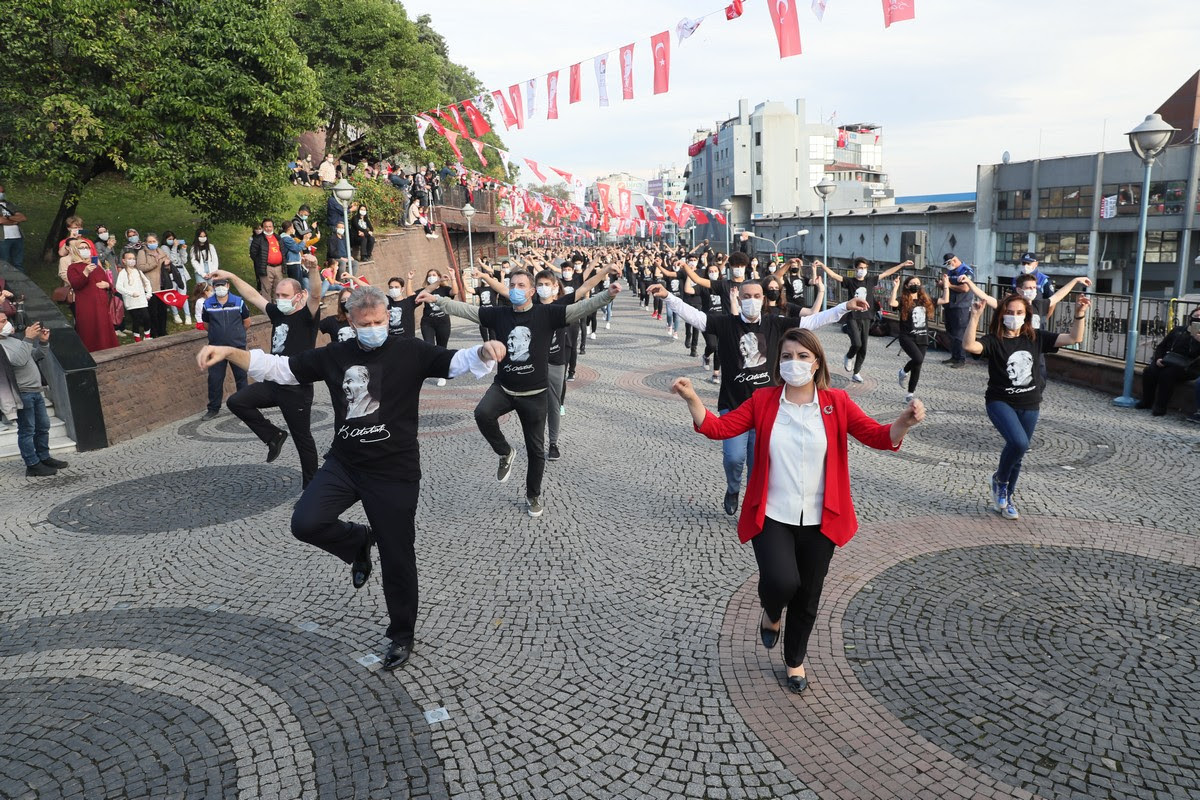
(1039, 309)
(916, 324)
(338, 330)
(1013, 373)
(862, 289)
(727, 291)
(527, 335)
(559, 343)
(675, 285)
(487, 297)
(292, 333)
(571, 285)
(747, 351)
(433, 312)
(376, 395)
(793, 286)
(401, 314)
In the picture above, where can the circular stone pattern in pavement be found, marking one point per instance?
(181, 702)
(1067, 672)
(228, 427)
(197, 498)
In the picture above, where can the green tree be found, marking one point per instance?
(558, 191)
(202, 98)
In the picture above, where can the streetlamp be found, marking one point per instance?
(823, 189)
(468, 211)
(344, 192)
(775, 245)
(727, 207)
(1147, 141)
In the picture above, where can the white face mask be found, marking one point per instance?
(1029, 294)
(545, 291)
(751, 307)
(568, 274)
(395, 293)
(1013, 322)
(712, 276)
(796, 372)
(739, 272)
(102, 236)
(362, 212)
(7, 330)
(432, 279)
(860, 273)
(222, 291)
(201, 239)
(130, 264)
(1028, 269)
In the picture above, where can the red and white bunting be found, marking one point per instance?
(506, 112)
(514, 94)
(787, 26)
(818, 8)
(530, 97)
(479, 151)
(423, 124)
(600, 63)
(576, 88)
(660, 47)
(533, 165)
(552, 95)
(898, 11)
(627, 72)
(478, 121)
(456, 118)
(733, 10)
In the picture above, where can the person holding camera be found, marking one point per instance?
(21, 394)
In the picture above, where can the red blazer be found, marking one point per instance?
(841, 416)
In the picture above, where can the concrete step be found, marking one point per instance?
(60, 442)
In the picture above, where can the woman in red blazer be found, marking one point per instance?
(798, 504)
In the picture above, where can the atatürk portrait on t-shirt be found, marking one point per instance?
(356, 386)
(518, 344)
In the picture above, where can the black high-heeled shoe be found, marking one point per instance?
(797, 683)
(770, 636)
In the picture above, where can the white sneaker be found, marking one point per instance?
(848, 364)
(592, 335)
(441, 382)
(674, 335)
(908, 397)
(902, 377)
(856, 378)
(608, 326)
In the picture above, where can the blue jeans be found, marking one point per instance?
(1016, 426)
(607, 310)
(33, 428)
(737, 453)
(672, 320)
(13, 251)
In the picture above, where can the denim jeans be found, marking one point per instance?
(737, 453)
(607, 311)
(957, 318)
(13, 251)
(33, 428)
(672, 320)
(1016, 426)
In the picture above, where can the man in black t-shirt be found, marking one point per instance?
(861, 287)
(294, 315)
(527, 327)
(375, 381)
(401, 308)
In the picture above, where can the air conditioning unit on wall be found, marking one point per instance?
(1106, 265)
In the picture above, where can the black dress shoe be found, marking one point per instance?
(397, 655)
(275, 446)
(797, 683)
(731, 501)
(209, 415)
(40, 470)
(56, 463)
(1143, 405)
(770, 636)
(360, 568)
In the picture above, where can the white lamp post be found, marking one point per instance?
(468, 211)
(1147, 141)
(727, 207)
(823, 189)
(344, 192)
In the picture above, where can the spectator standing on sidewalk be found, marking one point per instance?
(226, 318)
(21, 394)
(12, 242)
(957, 293)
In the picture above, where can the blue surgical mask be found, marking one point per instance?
(133, 239)
(373, 336)
(517, 296)
(152, 245)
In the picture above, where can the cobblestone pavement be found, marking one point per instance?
(162, 635)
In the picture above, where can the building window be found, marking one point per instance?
(758, 168)
(758, 138)
(1065, 202)
(1166, 197)
(1012, 205)
(1162, 247)
(1009, 247)
(758, 195)
(1067, 249)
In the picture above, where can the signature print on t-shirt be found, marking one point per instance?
(518, 344)
(279, 338)
(356, 385)
(750, 347)
(1020, 368)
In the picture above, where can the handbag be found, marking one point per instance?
(63, 294)
(116, 308)
(1177, 360)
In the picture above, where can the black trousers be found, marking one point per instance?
(710, 347)
(366, 246)
(391, 508)
(572, 348)
(1158, 384)
(294, 402)
(915, 350)
(860, 333)
(792, 562)
(582, 338)
(957, 318)
(531, 410)
(691, 336)
(435, 330)
(158, 320)
(216, 382)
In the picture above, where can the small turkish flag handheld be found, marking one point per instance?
(898, 11)
(514, 94)
(787, 26)
(627, 72)
(172, 298)
(575, 84)
(552, 95)
(660, 46)
(510, 119)
(733, 10)
(533, 165)
(478, 121)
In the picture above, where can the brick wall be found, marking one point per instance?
(146, 385)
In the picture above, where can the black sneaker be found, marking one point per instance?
(552, 454)
(209, 415)
(275, 446)
(55, 463)
(571, 377)
(40, 470)
(731, 503)
(505, 465)
(535, 506)
(1193, 417)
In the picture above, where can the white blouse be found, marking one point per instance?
(796, 479)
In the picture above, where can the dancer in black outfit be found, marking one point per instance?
(915, 309)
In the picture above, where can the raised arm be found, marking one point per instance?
(316, 285)
(893, 270)
(1066, 290)
(248, 292)
(1077, 327)
(895, 302)
(598, 274)
(692, 316)
(980, 293)
(784, 267)
(585, 308)
(969, 344)
(491, 281)
(832, 274)
(455, 308)
(695, 276)
(818, 301)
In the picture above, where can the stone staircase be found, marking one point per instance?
(59, 441)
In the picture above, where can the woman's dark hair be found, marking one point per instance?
(809, 341)
(997, 326)
(396, 279)
(167, 235)
(907, 301)
(197, 244)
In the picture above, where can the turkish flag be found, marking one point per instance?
(660, 45)
(514, 94)
(478, 121)
(720, 217)
(701, 217)
(733, 10)
(626, 202)
(172, 298)
(576, 84)
(787, 25)
(479, 151)
(685, 213)
(641, 211)
(422, 125)
(627, 72)
(457, 119)
(602, 190)
(533, 165)
(452, 138)
(566, 176)
(510, 119)
(552, 95)
(669, 205)
(898, 11)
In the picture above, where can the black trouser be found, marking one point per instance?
(158, 319)
(572, 349)
(294, 402)
(582, 338)
(956, 320)
(531, 410)
(860, 332)
(1158, 384)
(658, 305)
(643, 295)
(216, 383)
(435, 330)
(691, 336)
(366, 246)
(591, 322)
(391, 508)
(137, 320)
(792, 562)
(915, 350)
(710, 347)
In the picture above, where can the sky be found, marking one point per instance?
(958, 86)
